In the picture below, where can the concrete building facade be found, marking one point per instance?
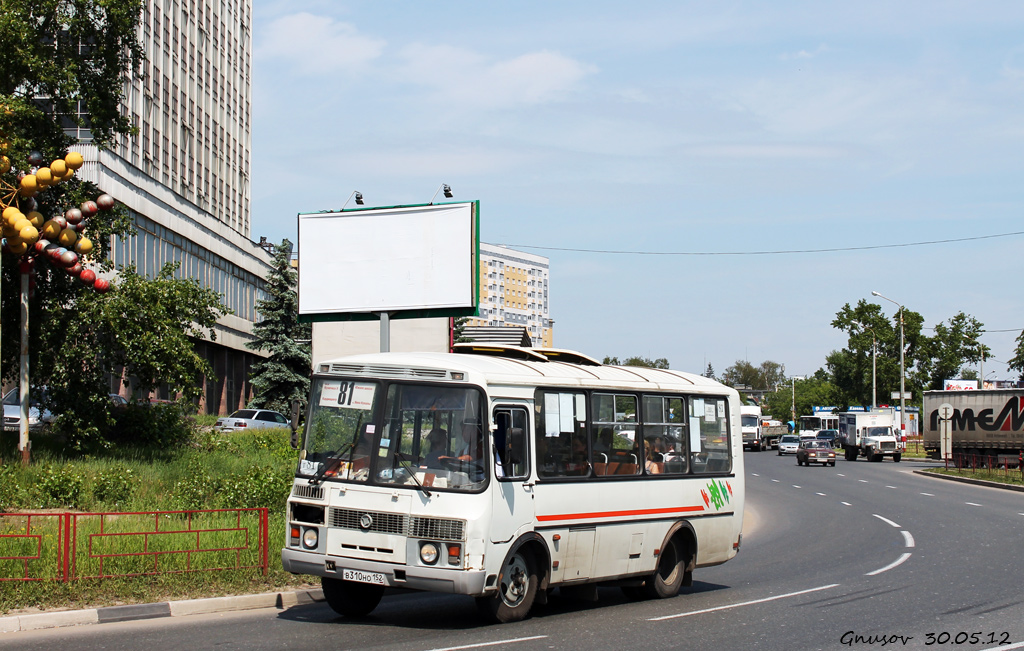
(185, 177)
(514, 291)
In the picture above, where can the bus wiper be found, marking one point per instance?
(408, 468)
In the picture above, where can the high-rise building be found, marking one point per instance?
(514, 291)
(185, 176)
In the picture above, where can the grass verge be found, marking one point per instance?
(1011, 477)
(211, 471)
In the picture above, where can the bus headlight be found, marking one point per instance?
(309, 538)
(428, 553)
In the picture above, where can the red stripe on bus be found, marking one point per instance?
(616, 514)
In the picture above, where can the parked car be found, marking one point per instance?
(828, 435)
(244, 419)
(788, 444)
(815, 451)
(12, 412)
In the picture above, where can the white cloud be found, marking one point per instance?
(467, 77)
(804, 54)
(316, 44)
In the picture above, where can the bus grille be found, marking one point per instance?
(437, 529)
(307, 491)
(393, 523)
(378, 522)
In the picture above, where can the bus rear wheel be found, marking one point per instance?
(668, 578)
(349, 598)
(517, 588)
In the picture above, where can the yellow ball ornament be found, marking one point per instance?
(59, 168)
(11, 213)
(67, 237)
(51, 230)
(74, 160)
(29, 183)
(29, 234)
(83, 246)
(36, 218)
(44, 177)
(17, 248)
(5, 165)
(21, 223)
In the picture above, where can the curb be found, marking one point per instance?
(58, 619)
(969, 480)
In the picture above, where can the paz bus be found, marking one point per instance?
(503, 473)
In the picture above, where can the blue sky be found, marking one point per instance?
(669, 127)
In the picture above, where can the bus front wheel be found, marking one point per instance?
(517, 588)
(349, 598)
(668, 578)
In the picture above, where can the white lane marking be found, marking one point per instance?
(886, 520)
(845, 503)
(929, 494)
(775, 480)
(822, 494)
(971, 504)
(755, 474)
(899, 561)
(890, 487)
(839, 474)
(907, 538)
(863, 481)
(1018, 645)
(496, 643)
(744, 603)
(795, 486)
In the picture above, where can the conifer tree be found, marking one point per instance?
(284, 375)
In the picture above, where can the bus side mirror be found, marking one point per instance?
(296, 412)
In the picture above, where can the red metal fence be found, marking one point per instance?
(1004, 464)
(69, 546)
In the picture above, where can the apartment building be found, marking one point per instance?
(514, 291)
(185, 176)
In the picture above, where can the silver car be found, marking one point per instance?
(246, 419)
(12, 413)
(788, 444)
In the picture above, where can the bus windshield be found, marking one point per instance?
(417, 436)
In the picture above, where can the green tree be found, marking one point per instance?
(458, 325)
(765, 376)
(954, 344)
(144, 328)
(73, 54)
(283, 376)
(709, 372)
(814, 391)
(661, 362)
(1017, 361)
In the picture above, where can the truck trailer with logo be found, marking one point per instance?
(870, 434)
(988, 424)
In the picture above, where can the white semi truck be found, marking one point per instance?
(759, 433)
(870, 434)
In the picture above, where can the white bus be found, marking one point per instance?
(582, 474)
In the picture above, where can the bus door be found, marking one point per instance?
(512, 489)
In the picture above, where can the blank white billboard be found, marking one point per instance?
(418, 260)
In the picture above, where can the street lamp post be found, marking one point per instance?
(792, 407)
(903, 394)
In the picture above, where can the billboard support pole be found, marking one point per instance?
(385, 331)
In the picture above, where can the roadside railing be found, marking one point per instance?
(71, 546)
(1008, 465)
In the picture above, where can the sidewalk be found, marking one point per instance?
(56, 619)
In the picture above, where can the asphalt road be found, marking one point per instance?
(829, 554)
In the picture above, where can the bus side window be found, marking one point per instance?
(510, 443)
(561, 434)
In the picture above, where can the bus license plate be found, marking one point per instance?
(363, 577)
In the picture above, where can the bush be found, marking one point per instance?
(114, 485)
(60, 486)
(10, 489)
(260, 486)
(154, 425)
(196, 490)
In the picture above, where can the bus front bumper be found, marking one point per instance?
(432, 579)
